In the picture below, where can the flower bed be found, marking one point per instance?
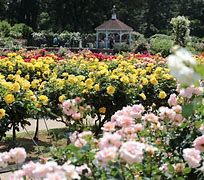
(33, 84)
(144, 125)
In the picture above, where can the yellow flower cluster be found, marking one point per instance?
(80, 75)
(2, 113)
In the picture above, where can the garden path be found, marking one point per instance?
(51, 124)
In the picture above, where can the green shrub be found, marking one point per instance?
(121, 47)
(160, 43)
(181, 30)
(139, 43)
(4, 28)
(20, 31)
(196, 45)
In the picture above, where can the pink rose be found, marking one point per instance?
(18, 155)
(138, 127)
(76, 116)
(198, 91)
(70, 171)
(188, 92)
(201, 129)
(177, 109)
(132, 152)
(151, 118)
(198, 143)
(106, 155)
(109, 127)
(110, 140)
(137, 111)
(172, 101)
(125, 121)
(192, 157)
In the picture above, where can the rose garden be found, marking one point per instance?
(125, 112)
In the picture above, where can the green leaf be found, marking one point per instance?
(200, 69)
(187, 110)
(187, 170)
(171, 168)
(198, 124)
(180, 178)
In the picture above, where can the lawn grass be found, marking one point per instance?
(46, 139)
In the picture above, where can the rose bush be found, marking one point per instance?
(141, 141)
(34, 83)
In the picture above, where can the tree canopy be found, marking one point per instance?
(145, 16)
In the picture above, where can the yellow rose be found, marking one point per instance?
(102, 110)
(110, 90)
(18, 72)
(29, 93)
(65, 74)
(10, 76)
(167, 76)
(27, 77)
(144, 81)
(2, 113)
(162, 95)
(25, 85)
(33, 98)
(62, 98)
(16, 87)
(38, 105)
(153, 81)
(97, 87)
(124, 79)
(114, 77)
(34, 83)
(143, 96)
(44, 99)
(9, 98)
(89, 83)
(10, 68)
(72, 79)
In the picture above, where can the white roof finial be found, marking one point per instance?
(114, 13)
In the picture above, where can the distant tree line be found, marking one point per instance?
(147, 17)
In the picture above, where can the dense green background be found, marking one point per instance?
(145, 16)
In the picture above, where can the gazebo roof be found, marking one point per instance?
(114, 24)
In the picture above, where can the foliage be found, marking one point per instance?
(147, 17)
(4, 28)
(196, 45)
(20, 31)
(119, 47)
(139, 44)
(181, 30)
(160, 43)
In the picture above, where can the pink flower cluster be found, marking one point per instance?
(80, 139)
(193, 155)
(124, 121)
(190, 91)
(50, 171)
(70, 108)
(173, 114)
(118, 141)
(14, 156)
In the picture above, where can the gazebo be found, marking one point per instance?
(113, 26)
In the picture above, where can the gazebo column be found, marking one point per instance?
(97, 40)
(106, 39)
(120, 36)
(130, 38)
